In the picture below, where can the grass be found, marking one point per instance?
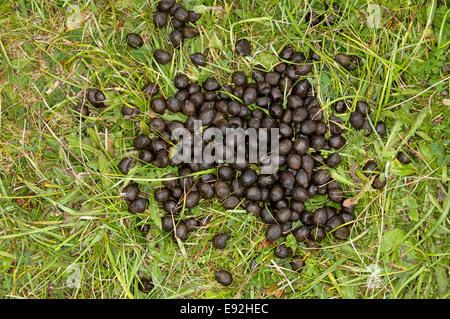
(59, 181)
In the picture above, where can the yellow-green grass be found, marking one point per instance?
(59, 181)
